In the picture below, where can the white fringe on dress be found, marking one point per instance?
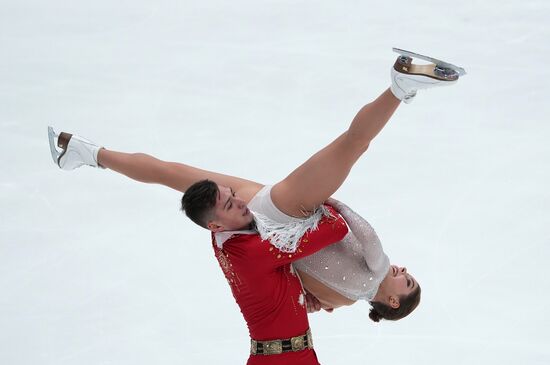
(286, 236)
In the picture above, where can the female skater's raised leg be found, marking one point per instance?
(307, 187)
(319, 177)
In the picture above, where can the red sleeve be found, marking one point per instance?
(329, 230)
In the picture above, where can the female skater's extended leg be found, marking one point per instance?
(77, 151)
(148, 169)
(318, 178)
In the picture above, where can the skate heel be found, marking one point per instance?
(403, 64)
(63, 140)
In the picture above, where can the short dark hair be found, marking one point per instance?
(407, 304)
(199, 201)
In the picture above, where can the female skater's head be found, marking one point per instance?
(398, 295)
(215, 207)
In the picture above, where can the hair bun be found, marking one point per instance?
(374, 315)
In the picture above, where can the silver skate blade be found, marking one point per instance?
(55, 153)
(443, 64)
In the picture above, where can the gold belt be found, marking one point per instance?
(275, 347)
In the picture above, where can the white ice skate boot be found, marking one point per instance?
(75, 151)
(407, 78)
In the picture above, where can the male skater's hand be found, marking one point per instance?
(336, 204)
(312, 303)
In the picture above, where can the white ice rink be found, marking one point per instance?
(97, 269)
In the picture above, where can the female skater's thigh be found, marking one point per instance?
(313, 182)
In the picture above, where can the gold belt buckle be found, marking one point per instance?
(297, 343)
(273, 347)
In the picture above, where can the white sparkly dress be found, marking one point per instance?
(354, 267)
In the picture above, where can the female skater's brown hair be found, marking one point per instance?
(407, 304)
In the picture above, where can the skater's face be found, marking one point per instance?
(231, 212)
(398, 283)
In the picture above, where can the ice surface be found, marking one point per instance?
(96, 269)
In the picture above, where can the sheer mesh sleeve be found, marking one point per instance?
(355, 266)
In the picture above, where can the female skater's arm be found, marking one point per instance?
(148, 169)
(365, 237)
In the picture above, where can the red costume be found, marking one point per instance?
(268, 292)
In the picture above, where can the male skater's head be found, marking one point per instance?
(215, 207)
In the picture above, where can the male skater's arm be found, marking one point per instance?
(329, 230)
(148, 169)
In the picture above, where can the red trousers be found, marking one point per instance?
(304, 357)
